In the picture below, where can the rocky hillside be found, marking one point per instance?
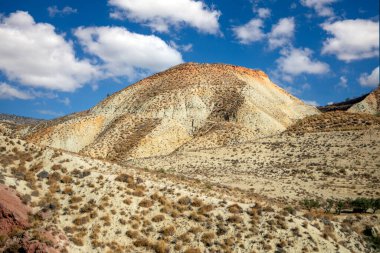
(370, 105)
(72, 203)
(190, 104)
(336, 121)
(19, 120)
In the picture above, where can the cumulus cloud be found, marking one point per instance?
(352, 39)
(250, 32)
(183, 48)
(123, 53)
(161, 15)
(343, 82)
(281, 33)
(54, 11)
(370, 80)
(33, 54)
(263, 12)
(321, 7)
(9, 92)
(66, 101)
(298, 61)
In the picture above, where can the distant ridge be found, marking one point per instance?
(19, 120)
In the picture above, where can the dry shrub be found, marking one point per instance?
(197, 202)
(235, 208)
(125, 178)
(161, 247)
(133, 234)
(184, 201)
(77, 241)
(142, 242)
(158, 218)
(205, 209)
(193, 250)
(235, 219)
(81, 221)
(146, 203)
(208, 238)
(75, 199)
(168, 231)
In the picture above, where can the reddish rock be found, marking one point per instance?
(13, 213)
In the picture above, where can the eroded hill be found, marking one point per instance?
(204, 105)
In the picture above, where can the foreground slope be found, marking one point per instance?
(185, 105)
(333, 155)
(81, 204)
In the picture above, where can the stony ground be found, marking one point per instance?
(286, 167)
(105, 207)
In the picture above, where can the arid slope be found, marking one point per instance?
(184, 105)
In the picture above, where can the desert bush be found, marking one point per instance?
(310, 204)
(235, 219)
(184, 201)
(77, 241)
(75, 199)
(375, 204)
(125, 178)
(290, 210)
(235, 208)
(360, 205)
(193, 250)
(168, 231)
(158, 218)
(81, 221)
(142, 242)
(208, 238)
(146, 203)
(161, 247)
(133, 234)
(329, 203)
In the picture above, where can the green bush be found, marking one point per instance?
(310, 203)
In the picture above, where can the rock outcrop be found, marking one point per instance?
(188, 106)
(370, 105)
(13, 213)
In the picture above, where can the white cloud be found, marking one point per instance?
(281, 33)
(343, 82)
(34, 55)
(124, 53)
(161, 15)
(352, 39)
(263, 12)
(9, 92)
(370, 80)
(250, 32)
(311, 102)
(183, 48)
(66, 101)
(67, 10)
(321, 7)
(298, 61)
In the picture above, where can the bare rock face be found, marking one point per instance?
(189, 106)
(13, 213)
(370, 105)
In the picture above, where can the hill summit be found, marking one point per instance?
(189, 106)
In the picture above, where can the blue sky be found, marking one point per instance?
(59, 57)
